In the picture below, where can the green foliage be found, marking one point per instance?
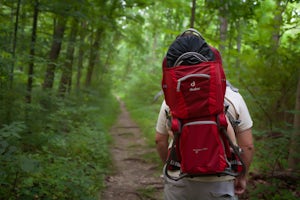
(68, 160)
(270, 162)
(276, 143)
(274, 189)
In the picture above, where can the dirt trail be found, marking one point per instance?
(135, 178)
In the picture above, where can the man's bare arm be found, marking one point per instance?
(161, 141)
(245, 141)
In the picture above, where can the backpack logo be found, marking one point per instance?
(193, 84)
(193, 88)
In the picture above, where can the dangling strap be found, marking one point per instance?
(168, 162)
(176, 128)
(237, 150)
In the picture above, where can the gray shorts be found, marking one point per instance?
(188, 189)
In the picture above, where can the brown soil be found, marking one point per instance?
(134, 177)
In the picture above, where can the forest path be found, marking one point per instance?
(134, 177)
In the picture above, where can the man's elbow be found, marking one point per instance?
(249, 147)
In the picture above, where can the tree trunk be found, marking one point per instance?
(66, 77)
(279, 111)
(94, 57)
(32, 54)
(58, 34)
(223, 26)
(277, 23)
(9, 102)
(193, 14)
(14, 44)
(80, 55)
(238, 47)
(294, 155)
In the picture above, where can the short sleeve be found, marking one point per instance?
(238, 109)
(162, 119)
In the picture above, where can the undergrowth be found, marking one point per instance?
(269, 176)
(60, 153)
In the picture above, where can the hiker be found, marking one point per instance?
(210, 186)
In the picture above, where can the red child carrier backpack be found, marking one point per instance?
(194, 86)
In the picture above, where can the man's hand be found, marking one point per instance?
(240, 185)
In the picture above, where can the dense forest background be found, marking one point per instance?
(63, 63)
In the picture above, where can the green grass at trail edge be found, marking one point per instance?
(144, 112)
(145, 115)
(65, 159)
